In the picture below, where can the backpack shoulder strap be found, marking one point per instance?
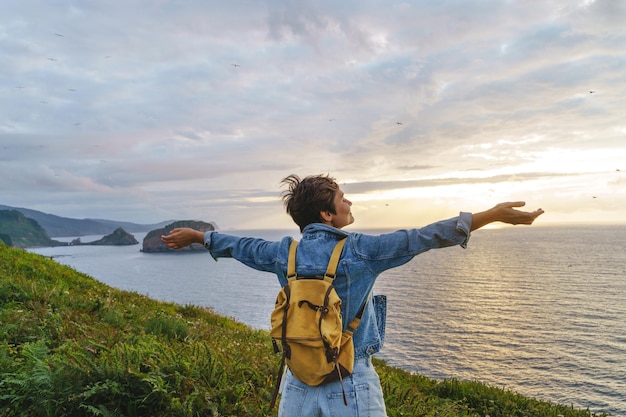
(354, 324)
(291, 261)
(331, 270)
(330, 274)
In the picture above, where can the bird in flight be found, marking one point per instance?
(59, 35)
(235, 65)
(591, 92)
(51, 59)
(398, 123)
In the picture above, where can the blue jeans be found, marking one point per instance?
(363, 391)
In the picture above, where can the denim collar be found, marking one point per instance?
(314, 230)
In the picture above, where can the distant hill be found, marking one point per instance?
(20, 231)
(56, 226)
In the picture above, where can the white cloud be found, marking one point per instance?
(144, 110)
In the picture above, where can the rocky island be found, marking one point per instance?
(152, 242)
(119, 237)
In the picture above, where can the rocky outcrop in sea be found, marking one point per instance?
(152, 243)
(119, 237)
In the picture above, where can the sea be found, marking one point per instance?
(537, 310)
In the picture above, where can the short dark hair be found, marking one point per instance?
(305, 199)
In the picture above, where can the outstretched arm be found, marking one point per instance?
(505, 213)
(181, 237)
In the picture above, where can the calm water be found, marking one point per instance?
(537, 310)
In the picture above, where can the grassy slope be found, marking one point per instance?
(72, 346)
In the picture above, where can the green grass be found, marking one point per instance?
(72, 346)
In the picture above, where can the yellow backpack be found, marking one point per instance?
(307, 323)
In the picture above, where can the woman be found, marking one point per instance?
(318, 206)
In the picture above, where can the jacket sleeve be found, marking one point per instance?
(259, 254)
(397, 248)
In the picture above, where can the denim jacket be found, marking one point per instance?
(363, 259)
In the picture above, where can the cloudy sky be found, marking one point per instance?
(150, 110)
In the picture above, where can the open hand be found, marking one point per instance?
(505, 213)
(508, 214)
(184, 236)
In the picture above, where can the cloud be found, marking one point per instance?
(377, 186)
(130, 106)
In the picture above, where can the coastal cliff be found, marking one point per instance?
(22, 232)
(152, 243)
(71, 343)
